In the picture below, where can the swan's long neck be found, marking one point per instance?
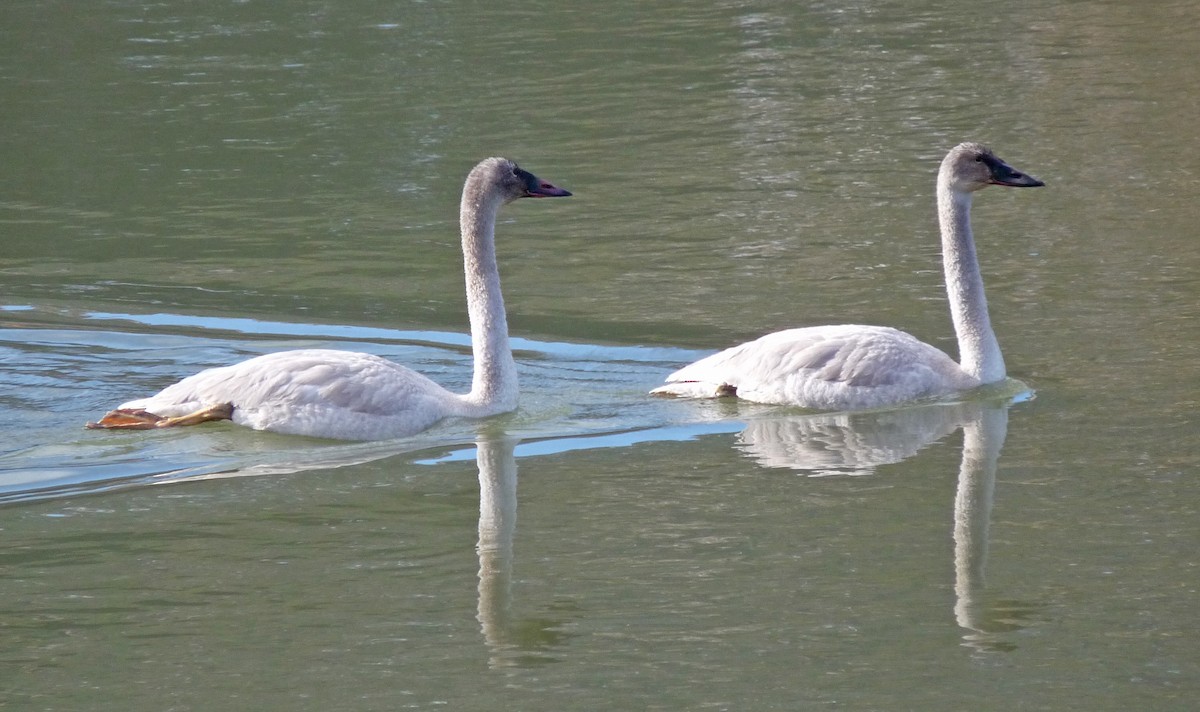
(979, 352)
(494, 387)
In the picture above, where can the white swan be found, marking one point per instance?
(354, 396)
(851, 367)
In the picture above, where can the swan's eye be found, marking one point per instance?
(979, 159)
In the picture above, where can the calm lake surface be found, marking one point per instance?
(190, 184)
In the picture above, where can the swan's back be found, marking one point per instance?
(318, 392)
(847, 366)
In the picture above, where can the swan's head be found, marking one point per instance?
(503, 179)
(970, 166)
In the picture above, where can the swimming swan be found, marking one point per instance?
(852, 367)
(354, 396)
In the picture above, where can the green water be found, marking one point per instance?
(186, 185)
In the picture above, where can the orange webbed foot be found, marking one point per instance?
(139, 419)
(127, 419)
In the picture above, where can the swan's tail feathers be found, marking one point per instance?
(695, 389)
(140, 419)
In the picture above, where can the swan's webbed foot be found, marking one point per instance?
(139, 419)
(127, 419)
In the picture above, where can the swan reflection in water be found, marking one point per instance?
(511, 642)
(818, 445)
(857, 443)
(986, 618)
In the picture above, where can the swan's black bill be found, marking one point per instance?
(537, 188)
(1004, 174)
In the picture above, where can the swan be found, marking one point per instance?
(855, 367)
(354, 396)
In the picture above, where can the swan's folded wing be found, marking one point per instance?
(311, 392)
(826, 367)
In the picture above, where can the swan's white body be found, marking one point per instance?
(853, 367)
(355, 396)
(845, 366)
(323, 393)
